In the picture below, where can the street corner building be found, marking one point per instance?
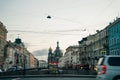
(3, 37)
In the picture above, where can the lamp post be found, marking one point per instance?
(24, 62)
(24, 72)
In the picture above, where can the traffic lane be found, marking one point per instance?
(51, 78)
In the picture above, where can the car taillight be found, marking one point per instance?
(103, 69)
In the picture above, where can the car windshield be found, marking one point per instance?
(57, 37)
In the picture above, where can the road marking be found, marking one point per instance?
(16, 79)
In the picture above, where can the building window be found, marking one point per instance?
(116, 51)
(114, 42)
(111, 41)
(117, 30)
(110, 52)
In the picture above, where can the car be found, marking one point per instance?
(60, 71)
(14, 68)
(108, 67)
(11, 69)
(1, 70)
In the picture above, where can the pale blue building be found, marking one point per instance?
(113, 30)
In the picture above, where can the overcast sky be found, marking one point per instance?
(71, 20)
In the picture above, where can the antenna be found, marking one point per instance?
(118, 14)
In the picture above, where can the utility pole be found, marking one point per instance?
(24, 58)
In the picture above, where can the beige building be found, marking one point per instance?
(93, 46)
(100, 44)
(3, 36)
(9, 55)
(16, 55)
(71, 57)
(68, 57)
(61, 63)
(82, 50)
(90, 49)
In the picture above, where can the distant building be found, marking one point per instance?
(50, 56)
(53, 57)
(57, 53)
(42, 64)
(71, 57)
(114, 37)
(61, 63)
(3, 36)
(16, 55)
(32, 61)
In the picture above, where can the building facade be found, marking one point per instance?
(16, 55)
(90, 50)
(82, 50)
(10, 55)
(61, 63)
(32, 61)
(100, 44)
(68, 57)
(3, 37)
(114, 37)
(43, 64)
(103, 42)
(71, 57)
(93, 46)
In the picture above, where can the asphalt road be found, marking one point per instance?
(50, 78)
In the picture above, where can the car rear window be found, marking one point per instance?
(114, 61)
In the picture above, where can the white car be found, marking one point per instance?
(108, 68)
(1, 70)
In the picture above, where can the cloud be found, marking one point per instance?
(41, 57)
(43, 52)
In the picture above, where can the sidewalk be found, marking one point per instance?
(81, 72)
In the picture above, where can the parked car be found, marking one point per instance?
(108, 68)
(1, 70)
(60, 71)
(14, 68)
(11, 69)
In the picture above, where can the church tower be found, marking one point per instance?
(58, 53)
(50, 55)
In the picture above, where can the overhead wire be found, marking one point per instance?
(102, 11)
(47, 32)
(105, 8)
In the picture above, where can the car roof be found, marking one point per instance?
(111, 56)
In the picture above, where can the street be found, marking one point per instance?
(50, 78)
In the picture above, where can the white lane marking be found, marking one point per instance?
(16, 79)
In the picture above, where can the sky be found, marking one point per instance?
(70, 21)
